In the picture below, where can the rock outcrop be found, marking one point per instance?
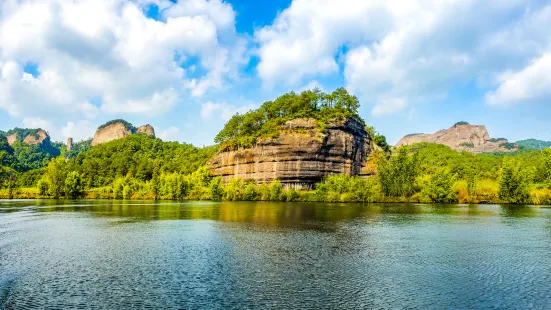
(110, 132)
(146, 130)
(300, 156)
(37, 136)
(463, 137)
(118, 129)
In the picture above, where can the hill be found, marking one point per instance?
(534, 144)
(463, 137)
(298, 139)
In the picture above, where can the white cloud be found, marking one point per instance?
(531, 83)
(388, 105)
(404, 49)
(170, 134)
(80, 130)
(223, 110)
(109, 49)
(37, 122)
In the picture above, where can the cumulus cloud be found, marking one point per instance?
(223, 110)
(388, 106)
(109, 49)
(404, 49)
(532, 83)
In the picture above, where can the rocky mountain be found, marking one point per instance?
(117, 129)
(26, 135)
(463, 137)
(299, 156)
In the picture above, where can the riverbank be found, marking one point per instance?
(485, 195)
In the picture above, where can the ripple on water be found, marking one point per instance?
(318, 258)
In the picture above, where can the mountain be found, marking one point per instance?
(534, 144)
(463, 137)
(27, 148)
(117, 129)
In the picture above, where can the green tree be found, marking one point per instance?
(514, 184)
(55, 174)
(74, 187)
(43, 187)
(216, 190)
(397, 175)
(440, 188)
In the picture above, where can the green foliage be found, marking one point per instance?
(467, 144)
(79, 147)
(126, 124)
(378, 138)
(440, 188)
(43, 187)
(216, 190)
(34, 156)
(22, 133)
(140, 156)
(346, 188)
(460, 123)
(397, 175)
(508, 145)
(514, 184)
(74, 188)
(55, 175)
(497, 139)
(534, 144)
(244, 129)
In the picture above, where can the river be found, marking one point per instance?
(167, 255)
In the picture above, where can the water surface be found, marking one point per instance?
(120, 255)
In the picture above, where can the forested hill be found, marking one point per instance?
(244, 129)
(534, 144)
(24, 149)
(138, 156)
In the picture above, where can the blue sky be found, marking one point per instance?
(186, 66)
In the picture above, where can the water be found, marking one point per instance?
(164, 255)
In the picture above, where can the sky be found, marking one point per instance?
(187, 66)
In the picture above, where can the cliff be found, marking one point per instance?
(28, 136)
(118, 129)
(301, 154)
(463, 137)
(146, 130)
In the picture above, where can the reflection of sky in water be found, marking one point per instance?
(109, 254)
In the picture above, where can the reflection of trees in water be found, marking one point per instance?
(322, 216)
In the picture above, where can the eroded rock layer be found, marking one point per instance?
(110, 133)
(300, 156)
(468, 138)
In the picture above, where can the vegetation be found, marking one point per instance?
(460, 123)
(534, 144)
(126, 124)
(244, 129)
(467, 144)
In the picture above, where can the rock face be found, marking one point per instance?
(146, 130)
(118, 129)
(300, 156)
(110, 133)
(465, 137)
(12, 138)
(69, 144)
(40, 136)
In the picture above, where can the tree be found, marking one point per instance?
(397, 175)
(43, 187)
(216, 190)
(74, 187)
(440, 187)
(55, 175)
(514, 184)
